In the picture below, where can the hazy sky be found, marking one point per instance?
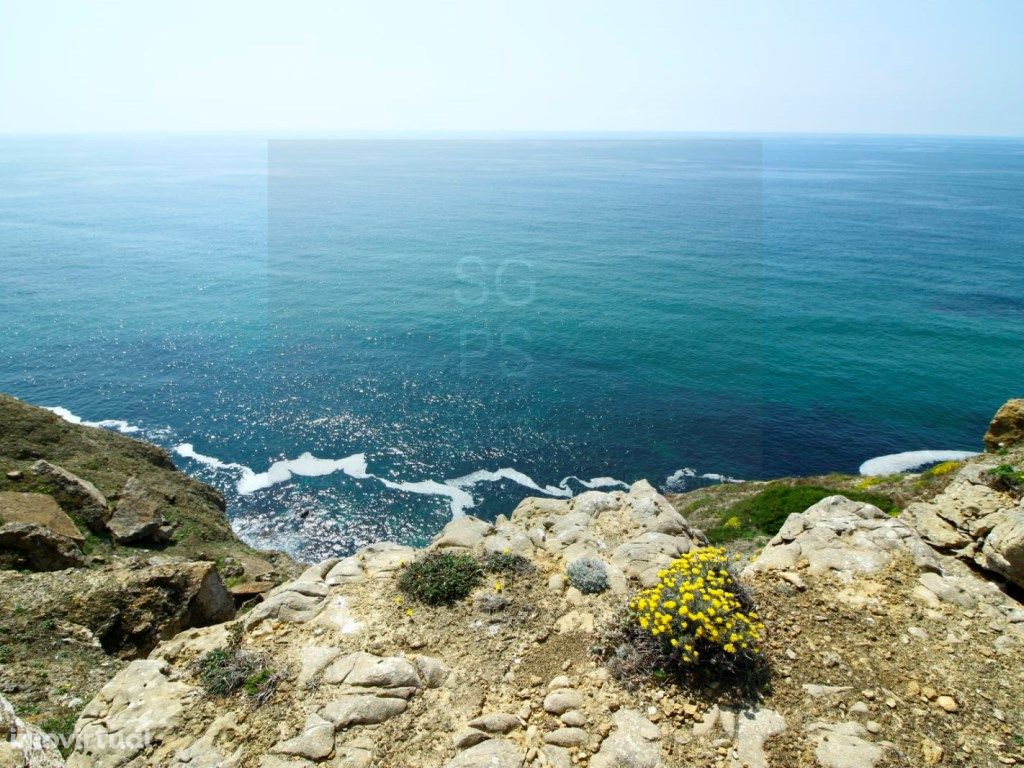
(893, 66)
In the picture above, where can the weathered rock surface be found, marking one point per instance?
(40, 548)
(1007, 427)
(139, 709)
(841, 538)
(137, 517)
(975, 521)
(75, 494)
(38, 509)
(23, 745)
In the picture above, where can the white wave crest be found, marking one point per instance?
(594, 482)
(457, 490)
(121, 426)
(306, 465)
(908, 460)
(679, 480)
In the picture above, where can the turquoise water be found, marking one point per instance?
(452, 325)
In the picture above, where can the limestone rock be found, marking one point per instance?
(137, 517)
(976, 522)
(566, 737)
(130, 611)
(1007, 427)
(494, 753)
(633, 744)
(841, 537)
(22, 744)
(1003, 549)
(562, 700)
(38, 509)
(314, 743)
(362, 709)
(754, 728)
(463, 533)
(39, 547)
(139, 707)
(432, 672)
(842, 745)
(496, 722)
(469, 737)
(75, 494)
(364, 670)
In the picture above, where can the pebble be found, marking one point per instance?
(873, 727)
(948, 703)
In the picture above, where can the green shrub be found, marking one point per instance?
(588, 574)
(765, 512)
(5, 654)
(441, 578)
(507, 563)
(1007, 477)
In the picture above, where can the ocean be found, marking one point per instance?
(357, 339)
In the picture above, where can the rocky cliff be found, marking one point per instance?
(884, 646)
(105, 550)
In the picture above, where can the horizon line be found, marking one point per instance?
(353, 134)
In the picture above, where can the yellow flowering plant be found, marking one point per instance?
(700, 614)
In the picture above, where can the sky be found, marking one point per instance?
(335, 66)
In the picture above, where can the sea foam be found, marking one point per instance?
(121, 426)
(908, 460)
(457, 490)
(679, 480)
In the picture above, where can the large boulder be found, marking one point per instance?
(38, 548)
(75, 494)
(141, 707)
(137, 517)
(38, 509)
(1007, 427)
(130, 610)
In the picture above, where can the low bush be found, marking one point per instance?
(588, 574)
(697, 627)
(1007, 477)
(507, 563)
(227, 669)
(765, 512)
(700, 616)
(441, 578)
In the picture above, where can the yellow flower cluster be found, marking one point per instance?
(695, 608)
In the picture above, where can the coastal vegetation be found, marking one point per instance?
(764, 513)
(588, 574)
(441, 578)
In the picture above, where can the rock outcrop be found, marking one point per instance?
(863, 617)
(885, 644)
(976, 520)
(23, 745)
(75, 494)
(38, 548)
(1007, 427)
